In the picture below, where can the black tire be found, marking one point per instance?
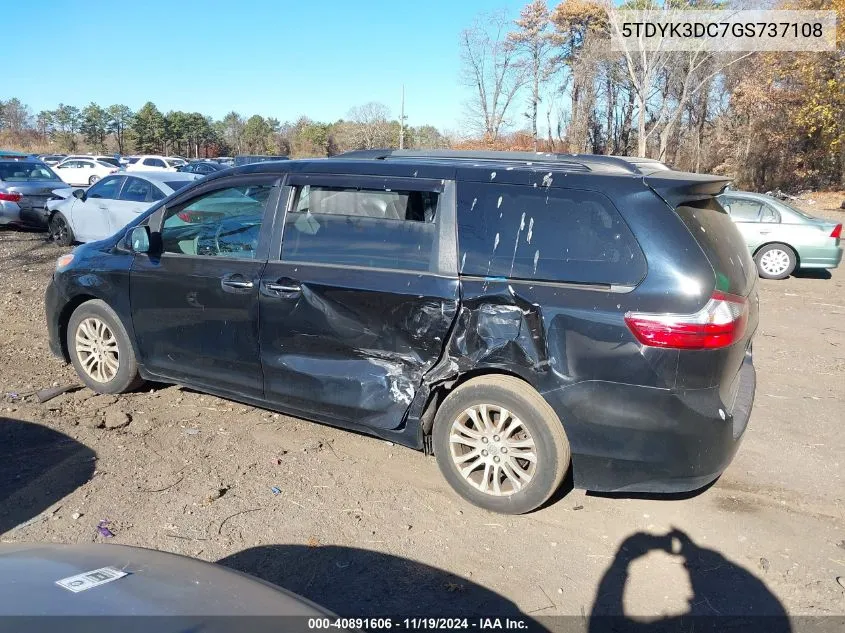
(538, 419)
(770, 255)
(59, 229)
(126, 378)
(93, 179)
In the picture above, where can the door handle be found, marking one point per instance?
(236, 282)
(280, 288)
(764, 232)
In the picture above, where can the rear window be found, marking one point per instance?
(111, 161)
(544, 234)
(22, 171)
(176, 185)
(722, 243)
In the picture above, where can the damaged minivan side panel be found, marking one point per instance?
(359, 303)
(547, 275)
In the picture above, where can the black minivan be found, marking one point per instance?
(513, 313)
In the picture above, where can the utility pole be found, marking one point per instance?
(402, 121)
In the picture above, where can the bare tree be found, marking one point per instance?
(370, 126)
(534, 43)
(491, 71)
(579, 27)
(674, 77)
(644, 68)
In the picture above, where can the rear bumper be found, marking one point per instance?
(627, 438)
(823, 257)
(12, 214)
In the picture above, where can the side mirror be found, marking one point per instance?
(139, 239)
(79, 194)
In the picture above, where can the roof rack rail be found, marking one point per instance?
(590, 162)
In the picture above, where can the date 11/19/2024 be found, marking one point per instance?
(419, 624)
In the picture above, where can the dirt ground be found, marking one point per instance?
(367, 528)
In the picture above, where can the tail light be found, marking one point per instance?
(11, 196)
(837, 231)
(718, 324)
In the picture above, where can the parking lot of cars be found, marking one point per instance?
(263, 492)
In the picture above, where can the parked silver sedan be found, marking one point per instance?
(110, 204)
(782, 238)
(25, 187)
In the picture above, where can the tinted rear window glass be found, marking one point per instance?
(176, 185)
(723, 244)
(111, 161)
(545, 234)
(21, 171)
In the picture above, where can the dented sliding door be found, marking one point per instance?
(360, 302)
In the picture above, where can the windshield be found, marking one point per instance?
(22, 171)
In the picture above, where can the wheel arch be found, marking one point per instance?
(64, 319)
(442, 390)
(787, 244)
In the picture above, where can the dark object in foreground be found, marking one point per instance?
(516, 314)
(157, 583)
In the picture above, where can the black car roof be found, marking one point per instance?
(524, 168)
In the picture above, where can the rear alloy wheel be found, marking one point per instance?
(775, 261)
(59, 230)
(500, 445)
(100, 349)
(93, 179)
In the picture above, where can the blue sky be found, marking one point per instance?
(280, 58)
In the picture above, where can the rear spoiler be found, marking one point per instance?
(677, 187)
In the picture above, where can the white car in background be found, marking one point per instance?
(83, 171)
(154, 163)
(109, 205)
(103, 158)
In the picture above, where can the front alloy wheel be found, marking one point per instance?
(97, 350)
(100, 349)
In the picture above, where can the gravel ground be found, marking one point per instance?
(365, 527)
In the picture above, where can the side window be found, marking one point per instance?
(563, 235)
(136, 190)
(156, 194)
(106, 188)
(154, 162)
(376, 228)
(221, 223)
(743, 210)
(87, 164)
(769, 215)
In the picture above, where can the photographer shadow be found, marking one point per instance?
(725, 597)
